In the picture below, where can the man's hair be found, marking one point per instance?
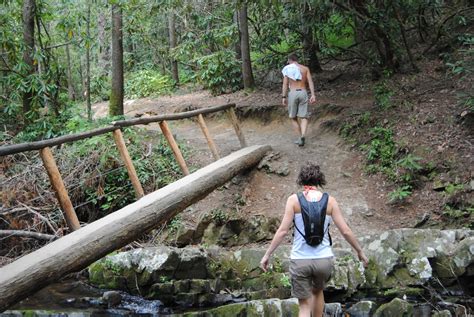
(293, 57)
(311, 175)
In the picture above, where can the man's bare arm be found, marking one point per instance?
(284, 90)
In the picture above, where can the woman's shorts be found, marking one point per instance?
(310, 274)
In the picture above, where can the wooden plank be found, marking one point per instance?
(236, 124)
(31, 146)
(79, 249)
(59, 188)
(174, 146)
(207, 135)
(174, 116)
(132, 173)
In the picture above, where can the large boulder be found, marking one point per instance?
(362, 309)
(396, 308)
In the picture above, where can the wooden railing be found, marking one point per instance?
(44, 147)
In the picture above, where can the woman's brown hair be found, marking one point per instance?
(311, 175)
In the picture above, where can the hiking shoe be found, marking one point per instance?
(302, 139)
(298, 142)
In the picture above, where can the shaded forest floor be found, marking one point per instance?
(424, 114)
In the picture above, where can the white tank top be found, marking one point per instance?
(301, 250)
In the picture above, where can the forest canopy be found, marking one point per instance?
(56, 54)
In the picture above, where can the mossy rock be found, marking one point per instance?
(362, 309)
(401, 291)
(396, 308)
(199, 286)
(442, 313)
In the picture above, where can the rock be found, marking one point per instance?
(362, 309)
(112, 298)
(402, 263)
(333, 310)
(347, 276)
(456, 262)
(455, 309)
(184, 236)
(270, 165)
(442, 313)
(396, 308)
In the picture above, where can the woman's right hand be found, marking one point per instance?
(264, 263)
(363, 258)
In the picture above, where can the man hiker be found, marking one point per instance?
(295, 77)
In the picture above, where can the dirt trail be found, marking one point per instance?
(267, 193)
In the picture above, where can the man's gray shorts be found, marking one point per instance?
(298, 104)
(309, 275)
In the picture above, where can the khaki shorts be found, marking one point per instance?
(298, 104)
(307, 275)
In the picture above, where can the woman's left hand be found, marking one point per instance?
(264, 263)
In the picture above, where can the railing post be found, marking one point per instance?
(119, 141)
(236, 124)
(59, 188)
(174, 146)
(210, 142)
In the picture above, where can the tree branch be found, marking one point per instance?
(27, 234)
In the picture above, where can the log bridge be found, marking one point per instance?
(86, 244)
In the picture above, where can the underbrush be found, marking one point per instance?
(95, 178)
(408, 166)
(147, 83)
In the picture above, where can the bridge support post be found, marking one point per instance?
(210, 142)
(174, 146)
(59, 188)
(236, 124)
(132, 173)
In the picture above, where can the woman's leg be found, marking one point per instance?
(317, 303)
(305, 307)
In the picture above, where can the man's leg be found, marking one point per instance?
(305, 307)
(304, 126)
(317, 303)
(296, 125)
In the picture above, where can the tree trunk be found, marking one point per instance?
(247, 74)
(82, 247)
(81, 78)
(116, 95)
(310, 47)
(29, 8)
(104, 43)
(172, 35)
(238, 50)
(70, 85)
(88, 63)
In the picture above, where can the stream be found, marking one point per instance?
(76, 298)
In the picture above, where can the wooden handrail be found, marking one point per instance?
(37, 145)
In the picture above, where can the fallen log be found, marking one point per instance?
(82, 247)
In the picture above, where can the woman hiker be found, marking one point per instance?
(311, 266)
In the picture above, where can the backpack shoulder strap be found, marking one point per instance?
(302, 200)
(325, 201)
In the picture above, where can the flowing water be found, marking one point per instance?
(77, 299)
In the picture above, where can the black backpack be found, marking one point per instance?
(314, 216)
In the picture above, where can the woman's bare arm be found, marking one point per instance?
(345, 230)
(281, 232)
